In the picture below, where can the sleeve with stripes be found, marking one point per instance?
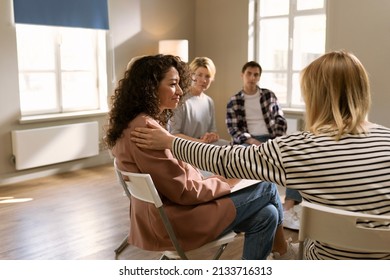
(252, 162)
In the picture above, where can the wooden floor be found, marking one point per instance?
(72, 216)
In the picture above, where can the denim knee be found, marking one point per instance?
(259, 233)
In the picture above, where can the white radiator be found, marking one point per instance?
(49, 145)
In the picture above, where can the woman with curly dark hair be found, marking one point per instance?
(134, 95)
(201, 209)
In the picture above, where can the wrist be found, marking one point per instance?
(170, 142)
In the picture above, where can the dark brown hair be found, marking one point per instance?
(251, 64)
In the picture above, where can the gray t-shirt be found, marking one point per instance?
(194, 117)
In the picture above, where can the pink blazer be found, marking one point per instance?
(198, 208)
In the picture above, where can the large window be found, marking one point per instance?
(61, 69)
(288, 35)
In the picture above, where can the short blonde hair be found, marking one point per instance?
(131, 62)
(203, 62)
(336, 90)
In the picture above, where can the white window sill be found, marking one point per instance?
(294, 111)
(62, 116)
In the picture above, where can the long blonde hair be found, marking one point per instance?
(336, 91)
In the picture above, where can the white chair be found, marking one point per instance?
(341, 228)
(122, 183)
(141, 186)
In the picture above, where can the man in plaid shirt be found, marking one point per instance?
(253, 116)
(260, 118)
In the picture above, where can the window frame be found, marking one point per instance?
(100, 50)
(254, 43)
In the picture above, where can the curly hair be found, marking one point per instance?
(137, 92)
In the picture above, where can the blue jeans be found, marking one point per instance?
(259, 211)
(293, 195)
(261, 138)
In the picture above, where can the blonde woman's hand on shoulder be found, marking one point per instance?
(153, 137)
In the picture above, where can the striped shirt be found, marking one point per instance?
(350, 174)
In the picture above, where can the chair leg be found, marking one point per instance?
(220, 251)
(164, 257)
(122, 246)
(300, 250)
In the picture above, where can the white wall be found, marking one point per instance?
(137, 25)
(363, 27)
(222, 35)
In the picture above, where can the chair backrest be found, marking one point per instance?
(120, 179)
(344, 229)
(139, 185)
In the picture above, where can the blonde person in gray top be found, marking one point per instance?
(195, 118)
(342, 160)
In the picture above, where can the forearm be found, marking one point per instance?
(168, 142)
(238, 136)
(252, 141)
(187, 137)
(209, 137)
(195, 154)
(232, 161)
